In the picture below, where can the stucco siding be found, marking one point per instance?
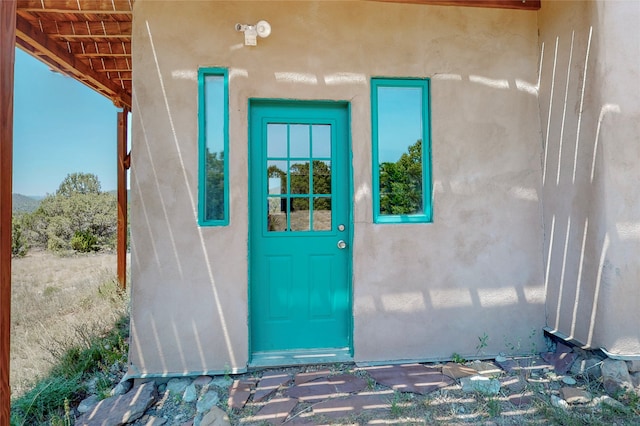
(590, 115)
(420, 291)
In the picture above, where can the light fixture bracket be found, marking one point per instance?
(251, 32)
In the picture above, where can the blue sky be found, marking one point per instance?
(60, 127)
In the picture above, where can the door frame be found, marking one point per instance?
(293, 357)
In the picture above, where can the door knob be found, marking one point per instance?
(342, 245)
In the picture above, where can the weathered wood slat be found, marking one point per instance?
(7, 63)
(123, 165)
(76, 6)
(501, 4)
(70, 28)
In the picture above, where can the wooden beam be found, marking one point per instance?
(500, 4)
(7, 64)
(76, 11)
(41, 43)
(123, 165)
(80, 28)
(75, 6)
(92, 37)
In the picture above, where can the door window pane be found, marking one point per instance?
(300, 214)
(277, 214)
(299, 141)
(276, 140)
(276, 177)
(322, 214)
(299, 172)
(321, 134)
(321, 177)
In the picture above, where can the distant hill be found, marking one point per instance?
(24, 204)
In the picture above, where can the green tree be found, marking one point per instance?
(77, 208)
(214, 198)
(321, 184)
(401, 183)
(19, 245)
(79, 183)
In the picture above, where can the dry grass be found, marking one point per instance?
(57, 302)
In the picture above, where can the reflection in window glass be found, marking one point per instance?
(298, 177)
(277, 216)
(322, 214)
(321, 134)
(277, 140)
(213, 188)
(401, 150)
(299, 140)
(321, 177)
(300, 214)
(277, 177)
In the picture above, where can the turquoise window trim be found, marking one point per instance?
(427, 215)
(202, 147)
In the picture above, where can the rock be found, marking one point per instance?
(607, 400)
(87, 404)
(457, 371)
(587, 368)
(480, 384)
(221, 382)
(486, 368)
(215, 417)
(561, 359)
(515, 384)
(635, 379)
(615, 376)
(202, 381)
(207, 401)
(240, 392)
(122, 409)
(155, 421)
(558, 402)
(121, 388)
(270, 383)
(190, 393)
(575, 396)
(178, 385)
(567, 380)
(92, 385)
(633, 366)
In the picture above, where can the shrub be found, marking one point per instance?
(84, 242)
(19, 245)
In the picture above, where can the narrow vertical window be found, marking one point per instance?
(213, 188)
(401, 150)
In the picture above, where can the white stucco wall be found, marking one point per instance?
(420, 291)
(590, 113)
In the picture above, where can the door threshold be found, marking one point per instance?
(300, 357)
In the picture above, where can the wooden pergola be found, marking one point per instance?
(90, 41)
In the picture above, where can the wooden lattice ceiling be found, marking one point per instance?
(89, 40)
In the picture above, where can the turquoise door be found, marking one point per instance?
(300, 285)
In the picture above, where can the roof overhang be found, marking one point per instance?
(90, 40)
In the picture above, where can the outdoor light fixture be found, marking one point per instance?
(262, 29)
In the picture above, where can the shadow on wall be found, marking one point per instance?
(178, 330)
(579, 235)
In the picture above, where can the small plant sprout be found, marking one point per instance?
(482, 343)
(457, 358)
